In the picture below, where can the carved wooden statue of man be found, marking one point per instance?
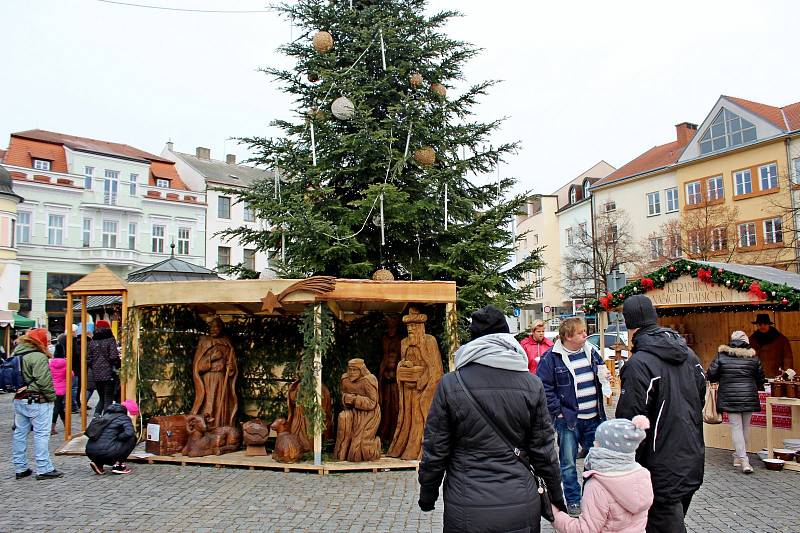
(418, 373)
(387, 376)
(360, 416)
(214, 372)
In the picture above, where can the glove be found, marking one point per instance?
(426, 506)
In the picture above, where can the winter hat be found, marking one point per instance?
(486, 321)
(38, 334)
(102, 324)
(131, 406)
(740, 340)
(639, 312)
(620, 434)
(76, 329)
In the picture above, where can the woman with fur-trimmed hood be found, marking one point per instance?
(740, 376)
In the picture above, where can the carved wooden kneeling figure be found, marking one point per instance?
(202, 441)
(287, 446)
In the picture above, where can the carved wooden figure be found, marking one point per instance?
(202, 440)
(360, 416)
(255, 434)
(297, 422)
(287, 446)
(418, 373)
(387, 379)
(214, 372)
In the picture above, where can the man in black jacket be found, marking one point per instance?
(664, 381)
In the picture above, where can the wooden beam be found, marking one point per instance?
(335, 309)
(243, 308)
(84, 404)
(451, 330)
(70, 355)
(122, 341)
(318, 381)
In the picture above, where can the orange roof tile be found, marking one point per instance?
(655, 158)
(792, 113)
(88, 145)
(167, 171)
(21, 152)
(2, 155)
(769, 113)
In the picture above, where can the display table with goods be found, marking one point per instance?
(791, 409)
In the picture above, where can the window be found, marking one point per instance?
(56, 283)
(131, 235)
(224, 207)
(24, 285)
(653, 203)
(88, 175)
(797, 170)
(573, 195)
(223, 256)
(581, 231)
(695, 242)
(538, 291)
(672, 199)
(744, 182)
(727, 130)
(134, 181)
(586, 189)
(87, 232)
(183, 241)
(715, 188)
(55, 230)
(570, 238)
(747, 234)
(249, 214)
(613, 233)
(693, 194)
(161, 182)
(675, 245)
(773, 231)
(109, 234)
(158, 239)
(41, 164)
(611, 205)
(769, 176)
(110, 187)
(249, 259)
(656, 248)
(719, 239)
(23, 227)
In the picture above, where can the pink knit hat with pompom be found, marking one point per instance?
(131, 406)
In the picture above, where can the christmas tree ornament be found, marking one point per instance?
(671, 268)
(439, 89)
(425, 156)
(313, 77)
(416, 80)
(342, 108)
(784, 301)
(383, 274)
(322, 42)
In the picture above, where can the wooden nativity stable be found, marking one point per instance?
(706, 302)
(162, 322)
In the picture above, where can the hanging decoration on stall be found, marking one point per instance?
(779, 294)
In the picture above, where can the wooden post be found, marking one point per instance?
(451, 330)
(131, 384)
(84, 403)
(318, 380)
(8, 340)
(70, 355)
(122, 341)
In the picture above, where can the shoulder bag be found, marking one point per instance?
(521, 455)
(710, 413)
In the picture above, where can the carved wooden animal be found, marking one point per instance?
(287, 446)
(201, 441)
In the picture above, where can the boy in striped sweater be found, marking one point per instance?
(572, 373)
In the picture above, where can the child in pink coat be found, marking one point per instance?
(618, 492)
(58, 369)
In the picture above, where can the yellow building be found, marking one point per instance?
(735, 180)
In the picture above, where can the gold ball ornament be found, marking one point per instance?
(383, 275)
(342, 108)
(322, 42)
(425, 156)
(416, 80)
(315, 114)
(439, 89)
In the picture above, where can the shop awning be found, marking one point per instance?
(6, 318)
(23, 322)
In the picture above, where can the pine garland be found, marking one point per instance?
(314, 340)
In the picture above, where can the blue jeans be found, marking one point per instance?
(39, 416)
(568, 440)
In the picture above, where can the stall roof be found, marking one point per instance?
(764, 273)
(172, 269)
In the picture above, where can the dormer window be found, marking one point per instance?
(573, 195)
(41, 164)
(727, 130)
(163, 183)
(586, 189)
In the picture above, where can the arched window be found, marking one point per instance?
(586, 189)
(573, 194)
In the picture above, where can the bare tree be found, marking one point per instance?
(709, 231)
(786, 205)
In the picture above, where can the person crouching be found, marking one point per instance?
(116, 441)
(618, 491)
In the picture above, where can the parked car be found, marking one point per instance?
(610, 339)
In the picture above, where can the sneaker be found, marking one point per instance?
(120, 469)
(97, 469)
(574, 509)
(53, 474)
(737, 461)
(26, 473)
(746, 468)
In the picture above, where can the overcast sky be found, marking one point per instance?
(582, 81)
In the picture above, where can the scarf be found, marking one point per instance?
(762, 339)
(604, 460)
(497, 350)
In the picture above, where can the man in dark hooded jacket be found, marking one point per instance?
(664, 381)
(487, 488)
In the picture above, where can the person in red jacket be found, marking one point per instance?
(535, 345)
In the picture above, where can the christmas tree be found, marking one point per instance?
(373, 170)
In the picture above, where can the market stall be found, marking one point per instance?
(705, 302)
(289, 344)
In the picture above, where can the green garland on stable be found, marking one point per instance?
(315, 339)
(778, 295)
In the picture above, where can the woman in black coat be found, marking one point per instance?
(740, 376)
(487, 488)
(104, 361)
(115, 442)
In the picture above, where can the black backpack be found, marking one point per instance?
(11, 379)
(98, 425)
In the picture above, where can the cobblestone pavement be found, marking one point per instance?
(196, 498)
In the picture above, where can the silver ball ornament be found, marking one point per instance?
(342, 108)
